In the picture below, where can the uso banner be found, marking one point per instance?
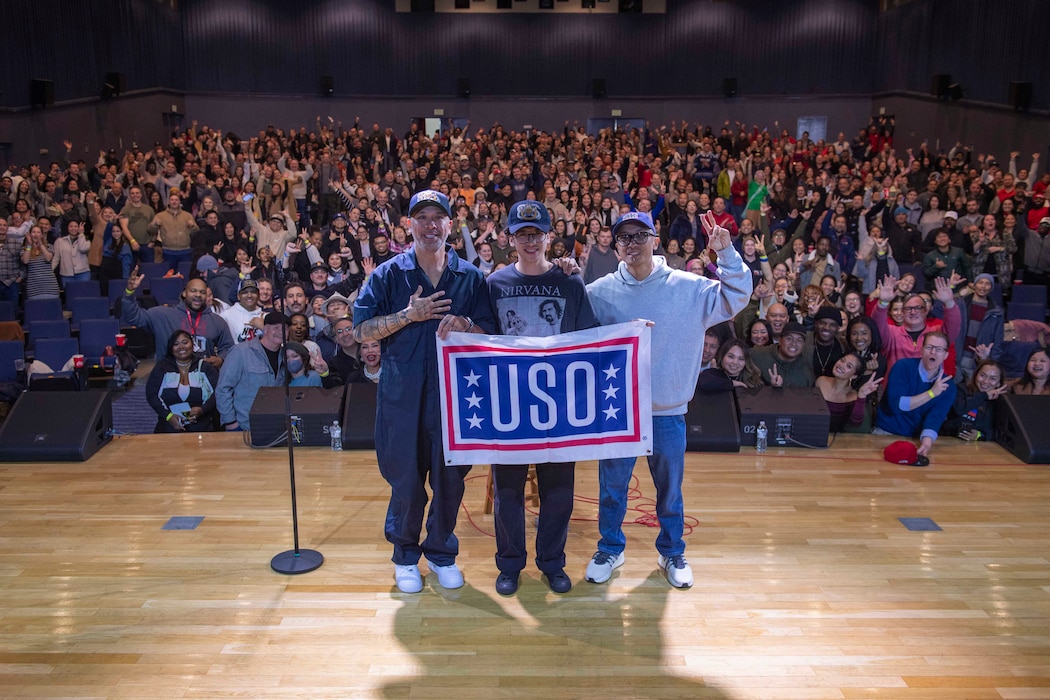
(565, 398)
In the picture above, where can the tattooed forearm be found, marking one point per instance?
(381, 326)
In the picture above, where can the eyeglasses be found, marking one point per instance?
(529, 237)
(936, 348)
(638, 237)
(915, 308)
(344, 329)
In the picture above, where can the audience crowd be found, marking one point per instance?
(864, 259)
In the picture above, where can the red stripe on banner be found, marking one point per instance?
(490, 348)
(544, 445)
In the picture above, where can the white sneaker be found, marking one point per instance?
(448, 576)
(601, 566)
(677, 569)
(407, 578)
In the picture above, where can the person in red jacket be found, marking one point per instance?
(906, 340)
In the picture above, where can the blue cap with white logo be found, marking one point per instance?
(637, 219)
(528, 213)
(429, 198)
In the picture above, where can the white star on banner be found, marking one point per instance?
(611, 413)
(472, 379)
(610, 392)
(473, 401)
(475, 422)
(611, 372)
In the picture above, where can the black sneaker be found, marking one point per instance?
(507, 584)
(559, 581)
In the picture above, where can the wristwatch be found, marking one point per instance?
(470, 324)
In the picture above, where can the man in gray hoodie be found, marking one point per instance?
(682, 306)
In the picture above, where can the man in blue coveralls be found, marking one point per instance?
(428, 290)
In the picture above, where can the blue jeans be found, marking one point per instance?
(10, 292)
(174, 257)
(78, 277)
(667, 465)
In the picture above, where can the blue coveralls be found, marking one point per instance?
(408, 418)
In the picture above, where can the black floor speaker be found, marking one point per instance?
(57, 426)
(313, 410)
(794, 416)
(711, 423)
(359, 416)
(1021, 427)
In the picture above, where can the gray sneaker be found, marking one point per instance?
(677, 570)
(601, 566)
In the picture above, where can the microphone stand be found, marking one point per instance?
(293, 561)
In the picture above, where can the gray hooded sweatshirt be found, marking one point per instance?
(683, 306)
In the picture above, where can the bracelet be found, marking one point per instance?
(763, 258)
(324, 374)
(979, 435)
(932, 395)
(470, 324)
(168, 417)
(129, 292)
(883, 304)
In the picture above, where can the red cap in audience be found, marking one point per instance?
(901, 452)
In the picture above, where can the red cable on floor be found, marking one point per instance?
(645, 508)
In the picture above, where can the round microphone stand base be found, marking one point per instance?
(302, 562)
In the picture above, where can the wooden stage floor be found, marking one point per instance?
(807, 584)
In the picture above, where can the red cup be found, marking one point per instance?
(78, 361)
(122, 340)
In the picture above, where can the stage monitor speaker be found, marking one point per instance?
(711, 423)
(794, 416)
(939, 84)
(1021, 96)
(57, 426)
(1021, 427)
(598, 90)
(463, 87)
(313, 411)
(359, 416)
(327, 86)
(41, 93)
(729, 87)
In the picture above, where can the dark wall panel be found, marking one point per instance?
(772, 47)
(983, 45)
(77, 43)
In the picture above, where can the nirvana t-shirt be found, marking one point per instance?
(539, 305)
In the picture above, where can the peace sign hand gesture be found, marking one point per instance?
(869, 387)
(718, 237)
(775, 379)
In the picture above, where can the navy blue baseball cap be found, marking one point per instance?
(528, 213)
(636, 219)
(429, 198)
